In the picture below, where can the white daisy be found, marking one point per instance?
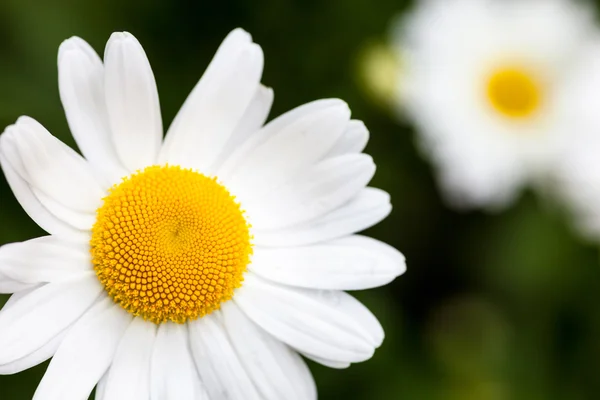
(577, 173)
(155, 281)
(486, 81)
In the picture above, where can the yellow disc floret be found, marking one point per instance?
(170, 244)
(514, 92)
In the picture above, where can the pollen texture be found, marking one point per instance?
(170, 244)
(514, 92)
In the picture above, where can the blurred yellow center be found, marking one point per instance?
(514, 92)
(170, 244)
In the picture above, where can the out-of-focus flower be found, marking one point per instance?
(379, 69)
(577, 180)
(487, 84)
(198, 266)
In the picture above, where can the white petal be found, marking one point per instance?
(315, 322)
(11, 285)
(254, 118)
(44, 259)
(31, 204)
(81, 84)
(35, 319)
(12, 300)
(314, 193)
(129, 374)
(277, 371)
(218, 364)
(241, 154)
(51, 167)
(85, 353)
(354, 140)
(101, 387)
(132, 102)
(350, 263)
(213, 109)
(34, 358)
(173, 375)
(292, 150)
(365, 210)
(82, 221)
(326, 362)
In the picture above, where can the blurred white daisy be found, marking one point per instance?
(577, 176)
(198, 266)
(486, 83)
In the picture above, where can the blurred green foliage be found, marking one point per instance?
(492, 307)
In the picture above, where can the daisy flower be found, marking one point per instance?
(195, 267)
(577, 181)
(487, 82)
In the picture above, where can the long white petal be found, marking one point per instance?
(33, 320)
(274, 127)
(277, 371)
(315, 322)
(12, 285)
(81, 84)
(295, 148)
(44, 259)
(129, 374)
(85, 353)
(51, 168)
(319, 190)
(132, 102)
(101, 387)
(326, 362)
(34, 358)
(368, 208)
(173, 375)
(213, 109)
(350, 263)
(31, 204)
(254, 118)
(354, 140)
(218, 364)
(12, 300)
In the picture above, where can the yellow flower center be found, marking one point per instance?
(170, 244)
(514, 92)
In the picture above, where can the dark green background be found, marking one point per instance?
(492, 307)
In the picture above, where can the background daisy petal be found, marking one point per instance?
(85, 353)
(132, 102)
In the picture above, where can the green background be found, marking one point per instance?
(493, 307)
